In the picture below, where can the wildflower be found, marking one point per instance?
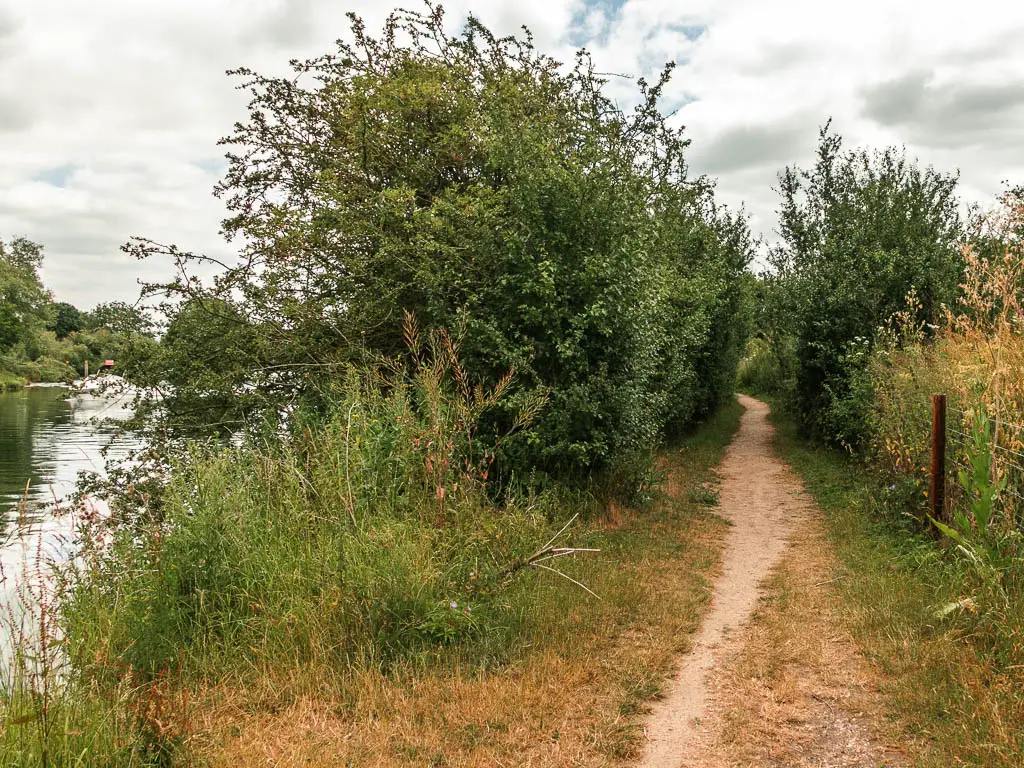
(454, 605)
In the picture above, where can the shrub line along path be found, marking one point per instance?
(765, 503)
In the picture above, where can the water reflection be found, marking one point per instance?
(48, 435)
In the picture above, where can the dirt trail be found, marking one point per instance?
(767, 507)
(763, 501)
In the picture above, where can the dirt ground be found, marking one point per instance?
(773, 679)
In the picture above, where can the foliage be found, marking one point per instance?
(480, 185)
(208, 372)
(49, 720)
(611, 652)
(976, 479)
(860, 231)
(66, 320)
(988, 551)
(327, 487)
(765, 366)
(368, 538)
(24, 302)
(120, 318)
(977, 359)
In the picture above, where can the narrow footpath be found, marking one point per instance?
(753, 690)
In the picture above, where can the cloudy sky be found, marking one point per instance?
(110, 109)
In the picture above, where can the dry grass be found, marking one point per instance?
(573, 697)
(977, 359)
(949, 686)
(796, 692)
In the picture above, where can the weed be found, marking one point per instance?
(704, 495)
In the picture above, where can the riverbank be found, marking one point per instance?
(15, 376)
(564, 687)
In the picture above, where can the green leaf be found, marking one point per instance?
(952, 533)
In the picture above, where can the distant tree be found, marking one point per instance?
(860, 231)
(66, 320)
(120, 317)
(24, 302)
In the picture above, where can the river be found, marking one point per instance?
(48, 436)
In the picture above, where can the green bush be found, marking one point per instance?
(861, 232)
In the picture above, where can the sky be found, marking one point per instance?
(110, 110)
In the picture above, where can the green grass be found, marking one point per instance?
(953, 685)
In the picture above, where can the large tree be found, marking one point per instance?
(66, 320)
(121, 318)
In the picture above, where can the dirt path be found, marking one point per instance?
(690, 725)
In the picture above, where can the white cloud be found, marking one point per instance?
(110, 111)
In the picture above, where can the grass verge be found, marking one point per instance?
(571, 696)
(953, 688)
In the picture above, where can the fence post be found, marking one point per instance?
(937, 491)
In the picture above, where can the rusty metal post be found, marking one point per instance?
(937, 491)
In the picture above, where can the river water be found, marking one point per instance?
(48, 436)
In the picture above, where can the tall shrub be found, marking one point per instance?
(860, 231)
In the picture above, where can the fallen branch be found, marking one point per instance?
(830, 581)
(550, 552)
(578, 584)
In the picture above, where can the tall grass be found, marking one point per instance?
(369, 538)
(977, 359)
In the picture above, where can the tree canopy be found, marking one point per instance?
(476, 183)
(66, 319)
(120, 317)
